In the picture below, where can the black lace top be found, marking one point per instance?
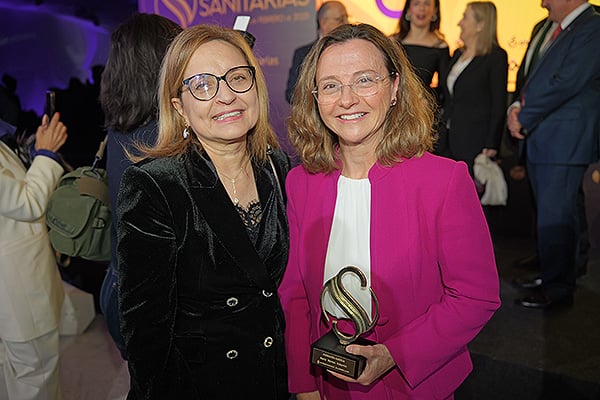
(251, 217)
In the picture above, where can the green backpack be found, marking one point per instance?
(78, 213)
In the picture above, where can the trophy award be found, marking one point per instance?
(329, 351)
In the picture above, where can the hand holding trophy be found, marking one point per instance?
(329, 351)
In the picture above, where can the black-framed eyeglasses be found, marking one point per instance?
(205, 86)
(367, 84)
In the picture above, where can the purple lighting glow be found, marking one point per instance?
(386, 11)
(42, 49)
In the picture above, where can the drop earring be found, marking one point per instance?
(407, 17)
(434, 18)
(186, 132)
(394, 102)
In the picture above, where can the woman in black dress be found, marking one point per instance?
(419, 34)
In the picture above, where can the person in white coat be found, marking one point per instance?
(31, 291)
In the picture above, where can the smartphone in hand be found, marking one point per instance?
(50, 107)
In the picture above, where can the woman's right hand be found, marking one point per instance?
(308, 396)
(51, 134)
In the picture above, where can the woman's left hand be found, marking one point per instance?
(379, 361)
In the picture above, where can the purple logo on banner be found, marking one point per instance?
(181, 11)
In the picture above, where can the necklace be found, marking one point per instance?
(236, 201)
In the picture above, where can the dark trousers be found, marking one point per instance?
(556, 195)
(109, 304)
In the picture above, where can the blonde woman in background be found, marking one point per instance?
(475, 89)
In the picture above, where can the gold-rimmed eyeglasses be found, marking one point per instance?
(205, 86)
(367, 84)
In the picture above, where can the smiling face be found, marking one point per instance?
(421, 12)
(228, 116)
(357, 121)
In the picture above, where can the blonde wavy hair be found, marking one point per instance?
(408, 127)
(170, 141)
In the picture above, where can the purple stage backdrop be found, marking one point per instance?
(278, 25)
(41, 50)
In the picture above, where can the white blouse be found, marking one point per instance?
(457, 69)
(349, 241)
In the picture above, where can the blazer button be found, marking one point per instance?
(232, 302)
(267, 294)
(268, 341)
(231, 354)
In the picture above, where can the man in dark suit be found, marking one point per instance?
(538, 42)
(557, 116)
(330, 15)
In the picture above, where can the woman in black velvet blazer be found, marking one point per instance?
(475, 98)
(202, 232)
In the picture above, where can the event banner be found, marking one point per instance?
(279, 26)
(515, 21)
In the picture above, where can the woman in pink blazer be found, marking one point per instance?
(369, 193)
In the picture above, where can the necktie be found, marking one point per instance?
(556, 33)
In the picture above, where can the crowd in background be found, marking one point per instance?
(80, 110)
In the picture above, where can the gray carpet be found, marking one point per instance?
(533, 354)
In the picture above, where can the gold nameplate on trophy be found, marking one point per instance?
(329, 351)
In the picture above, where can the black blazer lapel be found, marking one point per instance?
(220, 214)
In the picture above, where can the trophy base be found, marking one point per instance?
(330, 354)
